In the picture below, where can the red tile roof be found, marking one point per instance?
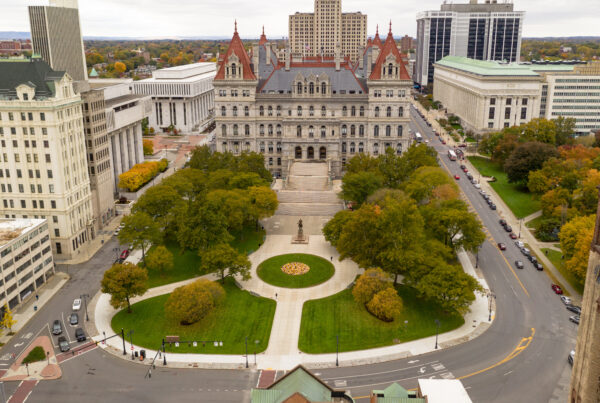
(236, 47)
(389, 47)
(263, 38)
(377, 40)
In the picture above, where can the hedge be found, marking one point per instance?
(140, 174)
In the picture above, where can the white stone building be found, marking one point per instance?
(44, 168)
(182, 96)
(25, 258)
(312, 109)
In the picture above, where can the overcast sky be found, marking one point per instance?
(170, 18)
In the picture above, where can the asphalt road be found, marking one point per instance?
(520, 357)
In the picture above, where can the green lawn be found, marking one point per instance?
(187, 264)
(518, 198)
(35, 355)
(241, 315)
(339, 314)
(535, 223)
(320, 271)
(555, 257)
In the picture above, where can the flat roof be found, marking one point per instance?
(12, 228)
(487, 67)
(444, 390)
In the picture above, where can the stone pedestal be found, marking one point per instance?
(300, 239)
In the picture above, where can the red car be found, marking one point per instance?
(501, 246)
(465, 170)
(443, 141)
(463, 145)
(456, 177)
(512, 235)
(124, 254)
(556, 288)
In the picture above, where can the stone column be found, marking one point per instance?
(124, 153)
(139, 145)
(116, 158)
(131, 146)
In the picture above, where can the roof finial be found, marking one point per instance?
(235, 26)
(377, 31)
(263, 30)
(390, 27)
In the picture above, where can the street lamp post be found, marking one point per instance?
(85, 297)
(437, 331)
(164, 353)
(337, 350)
(123, 338)
(520, 221)
(48, 356)
(246, 351)
(131, 341)
(491, 296)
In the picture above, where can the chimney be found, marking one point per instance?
(255, 58)
(337, 57)
(268, 53)
(287, 59)
(473, 1)
(361, 63)
(370, 60)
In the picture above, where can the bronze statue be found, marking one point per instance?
(300, 230)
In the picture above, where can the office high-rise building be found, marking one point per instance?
(319, 33)
(489, 31)
(56, 36)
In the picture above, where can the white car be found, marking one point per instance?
(565, 300)
(477, 186)
(76, 304)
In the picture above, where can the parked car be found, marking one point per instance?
(463, 166)
(63, 344)
(532, 259)
(463, 145)
(508, 228)
(519, 244)
(538, 266)
(465, 170)
(493, 206)
(456, 177)
(566, 300)
(575, 309)
(76, 304)
(477, 186)
(74, 319)
(80, 334)
(526, 252)
(443, 141)
(469, 175)
(556, 288)
(571, 357)
(519, 264)
(512, 235)
(116, 233)
(574, 319)
(56, 327)
(502, 222)
(124, 254)
(501, 246)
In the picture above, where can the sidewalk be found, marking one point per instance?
(282, 351)
(103, 236)
(526, 235)
(41, 370)
(24, 312)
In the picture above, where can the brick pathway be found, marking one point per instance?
(266, 378)
(22, 392)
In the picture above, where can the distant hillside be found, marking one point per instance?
(14, 35)
(573, 39)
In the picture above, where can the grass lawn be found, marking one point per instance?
(555, 257)
(535, 223)
(241, 315)
(320, 270)
(186, 265)
(518, 198)
(339, 314)
(35, 355)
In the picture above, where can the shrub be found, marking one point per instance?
(163, 164)
(160, 259)
(190, 303)
(35, 355)
(148, 146)
(370, 283)
(140, 174)
(386, 305)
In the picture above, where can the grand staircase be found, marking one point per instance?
(308, 192)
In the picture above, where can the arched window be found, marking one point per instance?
(376, 148)
(388, 112)
(299, 110)
(344, 111)
(323, 132)
(278, 110)
(390, 69)
(323, 88)
(344, 130)
(279, 130)
(323, 111)
(235, 111)
(223, 111)
(261, 130)
(270, 110)
(311, 111)
(247, 146)
(399, 131)
(246, 111)
(311, 131)
(361, 130)
(299, 88)
(361, 147)
(247, 130)
(233, 69)
(235, 130)
(376, 131)
(388, 131)
(399, 148)
(278, 147)
(224, 130)
(376, 111)
(298, 131)
(352, 130)
(353, 111)
(270, 146)
(311, 88)
(344, 147)
(270, 130)
(362, 111)
(352, 148)
(261, 110)
(400, 112)
(262, 146)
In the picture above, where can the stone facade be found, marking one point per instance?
(313, 108)
(585, 377)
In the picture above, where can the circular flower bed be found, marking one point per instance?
(295, 268)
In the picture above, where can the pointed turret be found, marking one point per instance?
(263, 37)
(236, 63)
(389, 48)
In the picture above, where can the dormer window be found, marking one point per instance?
(25, 96)
(311, 88)
(233, 69)
(299, 88)
(323, 88)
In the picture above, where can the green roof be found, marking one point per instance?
(93, 73)
(396, 394)
(295, 381)
(487, 67)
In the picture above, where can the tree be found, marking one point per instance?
(565, 129)
(334, 227)
(528, 157)
(120, 67)
(160, 259)
(234, 204)
(424, 180)
(416, 156)
(159, 202)
(450, 286)
(148, 146)
(504, 147)
(539, 130)
(571, 232)
(357, 187)
(244, 180)
(370, 283)
(190, 303)
(140, 230)
(226, 262)
(386, 305)
(263, 202)
(7, 320)
(124, 281)
(362, 162)
(201, 226)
